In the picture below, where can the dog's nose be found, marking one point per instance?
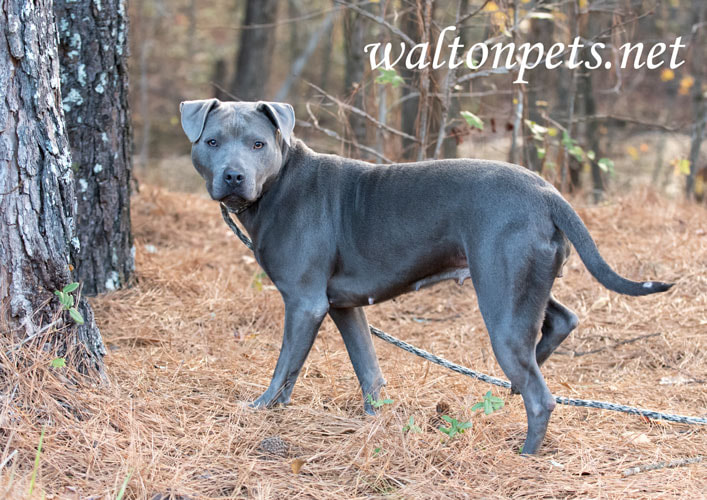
(233, 178)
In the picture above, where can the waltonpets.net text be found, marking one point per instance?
(524, 56)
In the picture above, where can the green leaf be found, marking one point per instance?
(538, 131)
(63, 298)
(36, 463)
(124, 486)
(389, 76)
(591, 155)
(487, 407)
(472, 119)
(683, 166)
(541, 153)
(477, 406)
(70, 287)
(447, 419)
(577, 152)
(76, 316)
(567, 141)
(58, 363)
(606, 164)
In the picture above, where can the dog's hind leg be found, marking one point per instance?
(513, 286)
(353, 326)
(558, 323)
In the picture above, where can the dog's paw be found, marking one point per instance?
(368, 409)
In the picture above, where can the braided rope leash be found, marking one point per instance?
(588, 403)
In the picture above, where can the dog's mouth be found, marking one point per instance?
(235, 204)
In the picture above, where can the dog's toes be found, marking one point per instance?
(369, 410)
(514, 390)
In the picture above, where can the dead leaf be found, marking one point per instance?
(296, 465)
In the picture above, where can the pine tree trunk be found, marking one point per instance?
(37, 202)
(94, 82)
(354, 34)
(255, 53)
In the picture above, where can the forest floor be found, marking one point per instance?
(200, 332)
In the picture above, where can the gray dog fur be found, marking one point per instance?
(336, 234)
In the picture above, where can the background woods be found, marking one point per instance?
(624, 127)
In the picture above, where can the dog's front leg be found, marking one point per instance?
(353, 326)
(302, 321)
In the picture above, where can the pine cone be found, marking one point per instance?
(274, 446)
(436, 419)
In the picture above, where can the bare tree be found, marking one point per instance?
(255, 53)
(94, 82)
(354, 35)
(700, 103)
(37, 202)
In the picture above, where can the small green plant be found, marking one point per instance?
(455, 427)
(376, 451)
(472, 120)
(489, 404)
(377, 403)
(411, 427)
(67, 301)
(544, 137)
(121, 492)
(258, 280)
(389, 76)
(33, 478)
(58, 363)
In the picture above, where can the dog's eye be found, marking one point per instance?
(212, 143)
(258, 145)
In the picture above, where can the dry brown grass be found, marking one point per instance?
(195, 337)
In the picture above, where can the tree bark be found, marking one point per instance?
(411, 100)
(94, 81)
(699, 102)
(37, 202)
(255, 53)
(354, 35)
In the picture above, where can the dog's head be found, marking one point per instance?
(237, 147)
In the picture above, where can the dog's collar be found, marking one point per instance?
(238, 210)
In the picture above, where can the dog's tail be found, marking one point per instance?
(569, 222)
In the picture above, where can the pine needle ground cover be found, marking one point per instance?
(200, 332)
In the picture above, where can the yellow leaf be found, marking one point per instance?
(686, 84)
(552, 131)
(667, 74)
(296, 465)
(684, 166)
(583, 4)
(632, 152)
(491, 7)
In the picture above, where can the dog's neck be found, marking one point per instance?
(291, 158)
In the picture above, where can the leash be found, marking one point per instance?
(588, 403)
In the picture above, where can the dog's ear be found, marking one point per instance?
(283, 117)
(194, 116)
